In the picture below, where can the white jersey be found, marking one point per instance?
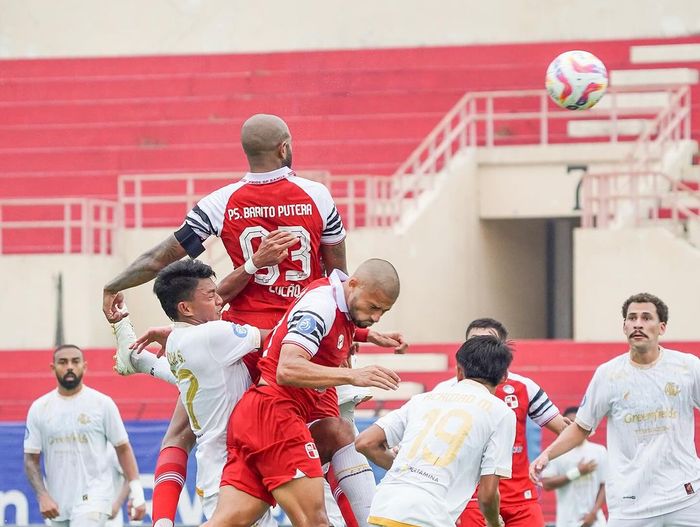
(653, 466)
(73, 435)
(211, 378)
(447, 440)
(576, 498)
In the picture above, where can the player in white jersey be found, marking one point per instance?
(120, 491)
(205, 355)
(579, 480)
(73, 427)
(648, 395)
(448, 441)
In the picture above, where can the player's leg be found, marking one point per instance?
(302, 501)
(171, 467)
(236, 508)
(128, 362)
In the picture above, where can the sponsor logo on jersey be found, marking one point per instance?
(672, 389)
(689, 488)
(240, 331)
(311, 450)
(84, 419)
(511, 401)
(508, 388)
(306, 325)
(341, 341)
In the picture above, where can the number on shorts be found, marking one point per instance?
(187, 375)
(272, 273)
(449, 426)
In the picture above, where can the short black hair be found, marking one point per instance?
(67, 346)
(485, 357)
(570, 410)
(642, 298)
(177, 282)
(488, 323)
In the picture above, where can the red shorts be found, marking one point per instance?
(327, 406)
(528, 514)
(271, 445)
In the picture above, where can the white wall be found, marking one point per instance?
(73, 28)
(611, 265)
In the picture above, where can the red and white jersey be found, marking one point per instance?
(525, 397)
(243, 213)
(319, 322)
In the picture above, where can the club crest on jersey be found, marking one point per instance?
(508, 388)
(672, 389)
(311, 450)
(511, 401)
(341, 341)
(84, 419)
(240, 331)
(306, 325)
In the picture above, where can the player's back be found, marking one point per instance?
(244, 213)
(211, 378)
(448, 439)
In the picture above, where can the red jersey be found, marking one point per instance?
(319, 322)
(243, 213)
(526, 399)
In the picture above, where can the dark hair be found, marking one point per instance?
(661, 308)
(485, 357)
(570, 410)
(177, 282)
(66, 346)
(488, 323)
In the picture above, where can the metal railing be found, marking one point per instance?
(57, 225)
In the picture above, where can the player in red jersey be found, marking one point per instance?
(269, 204)
(272, 456)
(519, 506)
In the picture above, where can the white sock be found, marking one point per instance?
(150, 364)
(356, 480)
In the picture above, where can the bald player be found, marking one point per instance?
(272, 456)
(281, 232)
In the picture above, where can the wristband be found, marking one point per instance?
(573, 473)
(137, 497)
(361, 335)
(249, 266)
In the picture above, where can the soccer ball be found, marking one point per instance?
(576, 80)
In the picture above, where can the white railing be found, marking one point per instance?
(57, 225)
(644, 196)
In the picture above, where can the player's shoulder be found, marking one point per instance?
(520, 381)
(687, 359)
(317, 191)
(319, 300)
(41, 402)
(93, 395)
(613, 365)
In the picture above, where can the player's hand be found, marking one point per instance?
(589, 519)
(537, 466)
(112, 304)
(159, 335)
(136, 513)
(274, 248)
(586, 467)
(388, 340)
(48, 507)
(375, 376)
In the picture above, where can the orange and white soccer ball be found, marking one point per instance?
(576, 80)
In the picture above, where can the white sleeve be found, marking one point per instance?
(603, 465)
(595, 403)
(540, 408)
(32, 433)
(498, 454)
(229, 342)
(310, 320)
(333, 229)
(113, 424)
(207, 217)
(695, 373)
(394, 425)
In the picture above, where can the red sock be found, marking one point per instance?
(341, 500)
(171, 470)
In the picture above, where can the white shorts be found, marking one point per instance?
(686, 517)
(83, 519)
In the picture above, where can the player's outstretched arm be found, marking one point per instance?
(296, 369)
(391, 339)
(570, 438)
(32, 468)
(141, 270)
(558, 424)
(273, 250)
(372, 443)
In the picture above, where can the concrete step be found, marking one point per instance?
(655, 76)
(665, 53)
